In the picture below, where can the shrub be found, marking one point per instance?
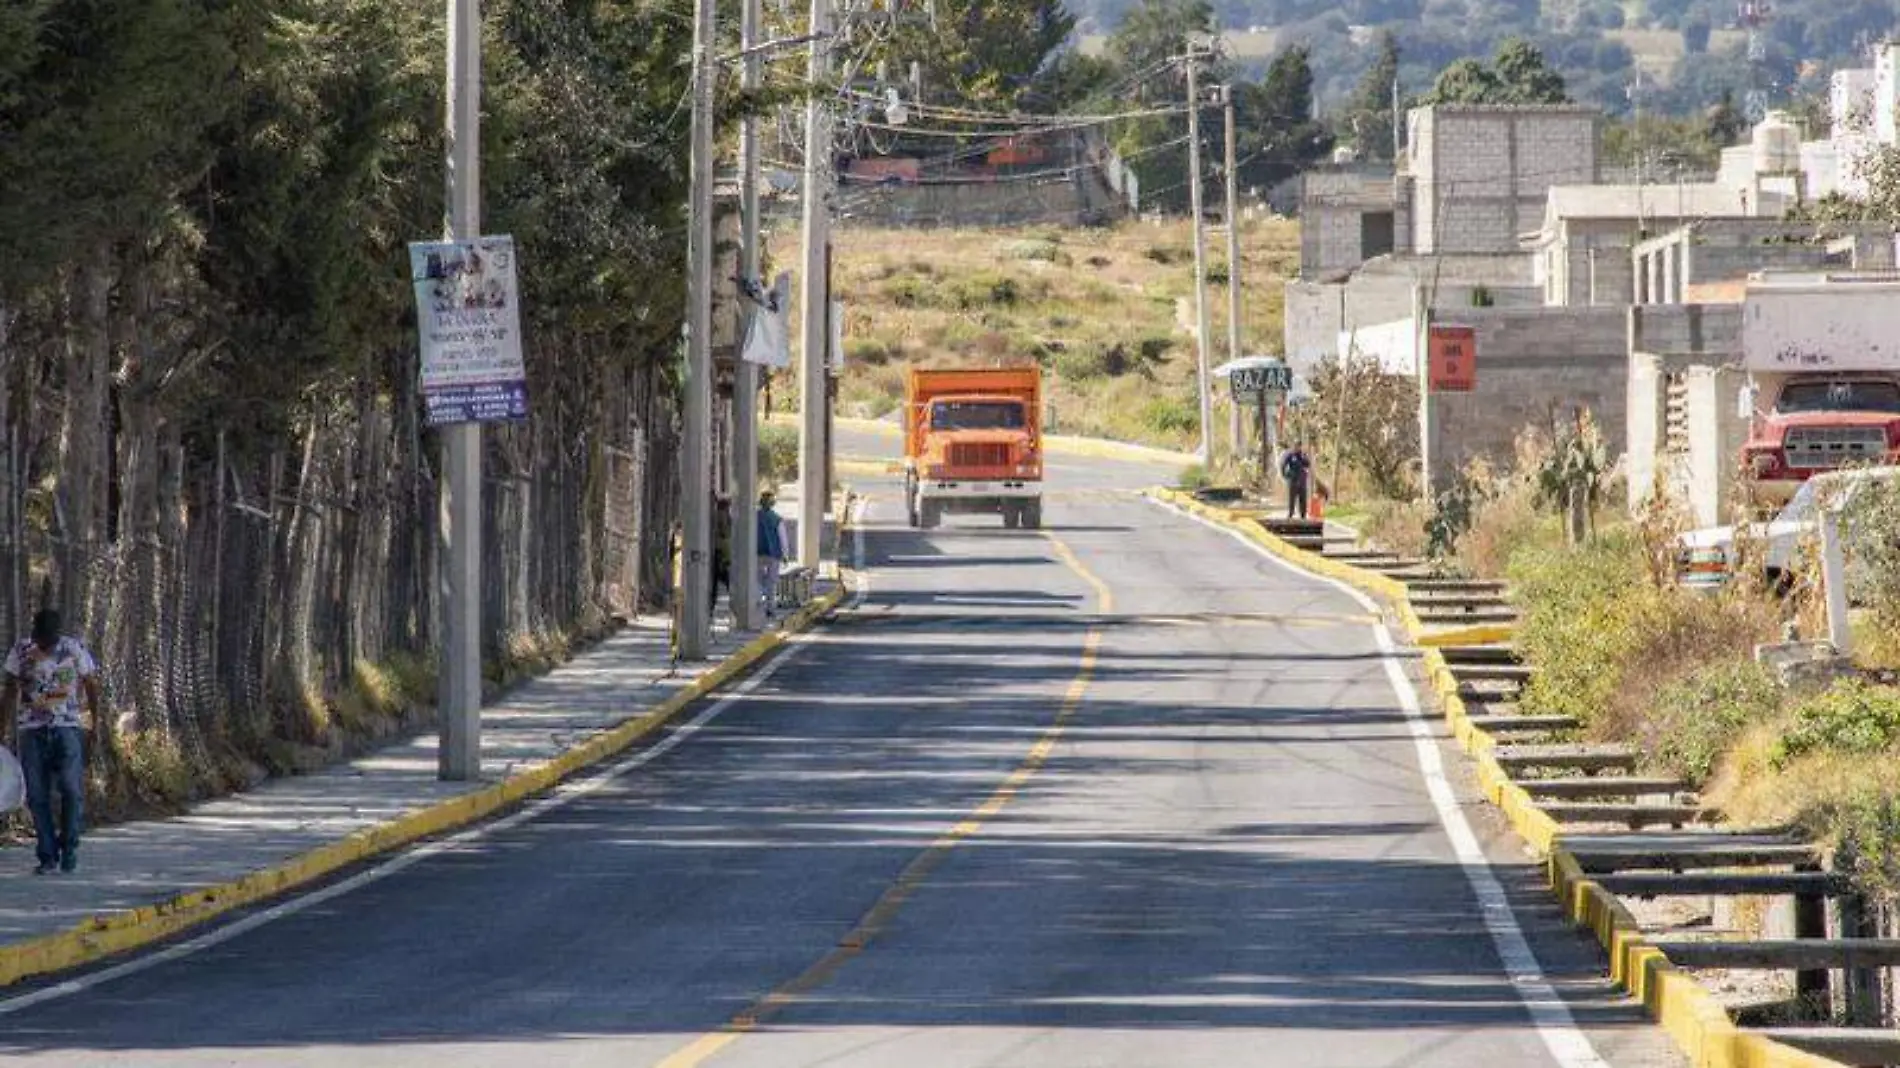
(1196, 477)
(1695, 719)
(1872, 521)
(1095, 361)
(871, 353)
(1168, 255)
(1456, 509)
(907, 293)
(1171, 415)
(1398, 526)
(778, 453)
(1605, 640)
(1042, 250)
(1849, 717)
(1155, 349)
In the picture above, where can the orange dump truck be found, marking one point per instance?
(973, 443)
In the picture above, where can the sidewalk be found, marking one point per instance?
(146, 866)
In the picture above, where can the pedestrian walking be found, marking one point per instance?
(52, 681)
(722, 553)
(771, 552)
(1296, 467)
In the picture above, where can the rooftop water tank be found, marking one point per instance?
(1777, 143)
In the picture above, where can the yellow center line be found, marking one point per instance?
(874, 921)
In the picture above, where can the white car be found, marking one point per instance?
(1706, 557)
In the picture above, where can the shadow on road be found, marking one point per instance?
(676, 897)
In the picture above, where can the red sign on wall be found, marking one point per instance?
(1453, 360)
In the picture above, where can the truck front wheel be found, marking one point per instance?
(1012, 516)
(929, 514)
(1032, 515)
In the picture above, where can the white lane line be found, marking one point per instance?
(562, 796)
(1549, 1014)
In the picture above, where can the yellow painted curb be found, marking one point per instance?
(1482, 634)
(1684, 1008)
(108, 934)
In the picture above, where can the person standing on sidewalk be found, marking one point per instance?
(771, 552)
(1296, 467)
(722, 553)
(52, 681)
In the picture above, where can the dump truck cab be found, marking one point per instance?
(973, 444)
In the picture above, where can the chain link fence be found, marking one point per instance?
(244, 593)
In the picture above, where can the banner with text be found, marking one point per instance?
(468, 310)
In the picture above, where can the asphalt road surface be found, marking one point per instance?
(1122, 792)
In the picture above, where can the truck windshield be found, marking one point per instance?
(1873, 396)
(976, 415)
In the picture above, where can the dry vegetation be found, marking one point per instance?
(1107, 311)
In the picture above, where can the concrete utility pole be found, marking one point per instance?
(1201, 325)
(745, 382)
(695, 462)
(1233, 227)
(815, 299)
(459, 673)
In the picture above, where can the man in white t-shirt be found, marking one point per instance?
(52, 680)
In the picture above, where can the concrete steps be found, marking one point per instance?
(1634, 815)
(1601, 786)
(1848, 1045)
(1686, 851)
(1726, 884)
(1566, 757)
(1514, 724)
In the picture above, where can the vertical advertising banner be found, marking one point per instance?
(468, 311)
(1454, 359)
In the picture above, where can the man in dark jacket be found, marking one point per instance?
(1296, 467)
(722, 553)
(771, 552)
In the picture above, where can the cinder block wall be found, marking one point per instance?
(1695, 342)
(1534, 366)
(1482, 173)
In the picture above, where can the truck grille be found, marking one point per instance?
(979, 454)
(1816, 447)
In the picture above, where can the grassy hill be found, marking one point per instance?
(1108, 313)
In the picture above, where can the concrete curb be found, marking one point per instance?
(1684, 1007)
(1096, 448)
(108, 934)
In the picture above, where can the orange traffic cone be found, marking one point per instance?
(1317, 509)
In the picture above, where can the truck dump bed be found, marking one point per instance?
(1839, 324)
(926, 385)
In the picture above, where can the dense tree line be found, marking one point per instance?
(213, 454)
(1804, 36)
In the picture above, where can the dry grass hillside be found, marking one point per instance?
(1107, 312)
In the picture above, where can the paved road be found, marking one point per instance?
(1126, 795)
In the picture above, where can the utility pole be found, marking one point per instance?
(1398, 124)
(459, 673)
(1202, 340)
(744, 582)
(1233, 281)
(695, 463)
(815, 298)
(1233, 227)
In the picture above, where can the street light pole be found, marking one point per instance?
(815, 300)
(1201, 326)
(695, 467)
(744, 582)
(459, 519)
